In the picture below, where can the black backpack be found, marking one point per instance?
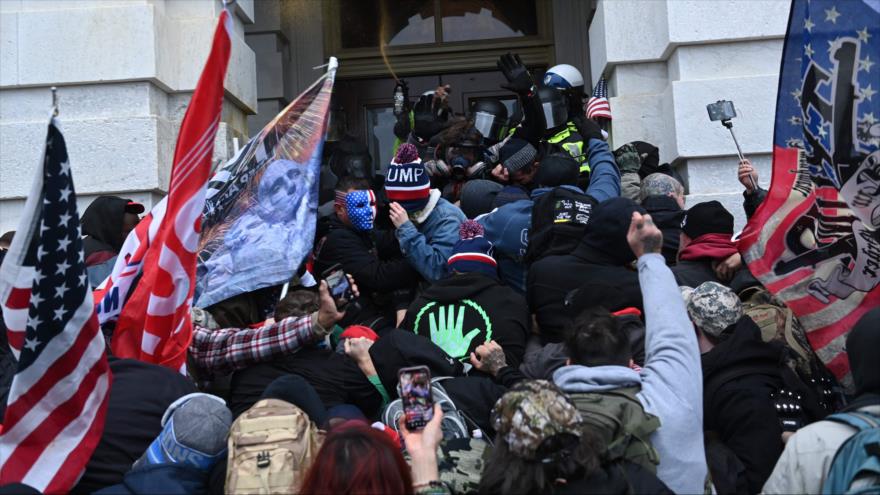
(559, 218)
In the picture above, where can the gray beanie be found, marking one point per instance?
(194, 432)
(477, 197)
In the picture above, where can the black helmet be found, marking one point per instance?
(554, 106)
(490, 118)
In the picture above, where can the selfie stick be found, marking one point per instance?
(729, 125)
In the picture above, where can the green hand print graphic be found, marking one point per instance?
(446, 326)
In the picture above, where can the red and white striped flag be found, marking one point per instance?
(597, 105)
(56, 405)
(154, 324)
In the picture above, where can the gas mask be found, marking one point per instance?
(361, 209)
(460, 160)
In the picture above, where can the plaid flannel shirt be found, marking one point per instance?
(223, 350)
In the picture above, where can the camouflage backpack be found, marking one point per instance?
(619, 418)
(271, 446)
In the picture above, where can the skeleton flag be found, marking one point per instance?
(815, 241)
(259, 218)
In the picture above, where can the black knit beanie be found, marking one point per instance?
(707, 218)
(606, 232)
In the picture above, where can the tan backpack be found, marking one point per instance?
(271, 446)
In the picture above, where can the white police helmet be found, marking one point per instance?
(563, 76)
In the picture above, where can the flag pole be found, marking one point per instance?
(54, 101)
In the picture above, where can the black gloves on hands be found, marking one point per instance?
(518, 78)
(588, 129)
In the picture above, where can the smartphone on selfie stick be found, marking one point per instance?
(724, 111)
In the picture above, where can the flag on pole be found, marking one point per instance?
(56, 405)
(154, 324)
(814, 242)
(597, 105)
(259, 218)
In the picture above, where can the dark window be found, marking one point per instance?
(406, 22)
(483, 20)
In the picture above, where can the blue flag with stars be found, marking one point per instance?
(815, 241)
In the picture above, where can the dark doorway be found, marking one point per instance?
(367, 104)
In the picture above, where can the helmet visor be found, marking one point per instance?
(555, 114)
(489, 125)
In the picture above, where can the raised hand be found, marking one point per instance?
(448, 333)
(643, 237)
(518, 78)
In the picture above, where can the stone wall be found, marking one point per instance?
(125, 70)
(666, 59)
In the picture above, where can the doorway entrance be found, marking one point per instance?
(367, 104)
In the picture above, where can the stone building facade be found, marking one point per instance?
(125, 70)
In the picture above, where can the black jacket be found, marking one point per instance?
(740, 409)
(667, 215)
(465, 302)
(601, 257)
(139, 395)
(335, 377)
(552, 278)
(383, 276)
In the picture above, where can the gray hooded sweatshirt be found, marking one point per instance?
(671, 380)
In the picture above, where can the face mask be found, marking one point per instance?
(361, 209)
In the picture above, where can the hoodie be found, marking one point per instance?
(667, 215)
(507, 227)
(102, 228)
(602, 256)
(465, 310)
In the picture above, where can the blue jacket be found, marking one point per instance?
(429, 246)
(507, 227)
(160, 479)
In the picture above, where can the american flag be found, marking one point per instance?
(58, 400)
(814, 241)
(155, 324)
(598, 105)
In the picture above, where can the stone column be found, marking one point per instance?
(666, 59)
(125, 70)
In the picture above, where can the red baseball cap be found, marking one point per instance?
(356, 331)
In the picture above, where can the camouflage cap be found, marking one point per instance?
(531, 412)
(713, 307)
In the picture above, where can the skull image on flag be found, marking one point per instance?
(259, 217)
(815, 241)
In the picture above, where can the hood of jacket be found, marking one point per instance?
(575, 378)
(102, 222)
(604, 239)
(743, 346)
(459, 286)
(664, 210)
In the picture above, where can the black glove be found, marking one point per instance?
(588, 129)
(518, 78)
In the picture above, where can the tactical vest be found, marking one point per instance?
(573, 143)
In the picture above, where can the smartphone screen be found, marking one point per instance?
(338, 284)
(415, 390)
